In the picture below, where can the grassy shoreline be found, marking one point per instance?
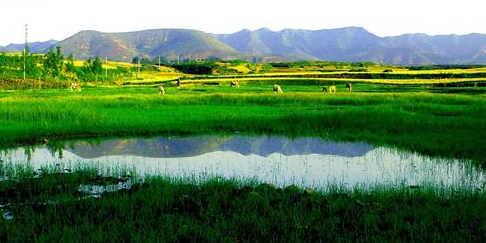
(448, 125)
(51, 207)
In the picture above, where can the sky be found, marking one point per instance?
(59, 19)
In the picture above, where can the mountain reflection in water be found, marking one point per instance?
(306, 162)
(193, 146)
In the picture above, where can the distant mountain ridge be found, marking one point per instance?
(350, 44)
(353, 44)
(34, 47)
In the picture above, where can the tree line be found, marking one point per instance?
(185, 65)
(53, 66)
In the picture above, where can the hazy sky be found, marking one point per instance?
(59, 19)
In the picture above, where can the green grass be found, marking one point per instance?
(438, 121)
(450, 125)
(49, 208)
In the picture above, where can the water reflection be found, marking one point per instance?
(194, 146)
(307, 162)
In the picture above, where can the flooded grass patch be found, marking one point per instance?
(307, 162)
(435, 124)
(169, 210)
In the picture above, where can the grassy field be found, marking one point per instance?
(446, 122)
(443, 117)
(52, 207)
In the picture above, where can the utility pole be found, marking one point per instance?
(159, 61)
(106, 67)
(25, 47)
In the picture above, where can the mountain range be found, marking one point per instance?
(350, 44)
(34, 47)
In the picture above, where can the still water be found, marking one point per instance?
(306, 162)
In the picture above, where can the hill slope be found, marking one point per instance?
(357, 44)
(168, 43)
(337, 44)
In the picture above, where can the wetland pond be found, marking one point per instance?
(309, 162)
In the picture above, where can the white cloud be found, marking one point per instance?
(59, 19)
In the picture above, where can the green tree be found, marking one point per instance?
(135, 60)
(30, 60)
(93, 66)
(70, 64)
(91, 69)
(53, 62)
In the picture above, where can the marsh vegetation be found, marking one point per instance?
(53, 207)
(437, 114)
